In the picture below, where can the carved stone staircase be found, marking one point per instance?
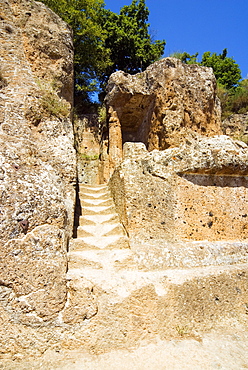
(101, 239)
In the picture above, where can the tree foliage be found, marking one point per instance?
(234, 100)
(226, 70)
(105, 41)
(232, 91)
(128, 38)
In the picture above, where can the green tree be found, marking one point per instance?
(232, 92)
(132, 48)
(226, 70)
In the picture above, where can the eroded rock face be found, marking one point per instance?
(161, 106)
(87, 144)
(236, 126)
(38, 164)
(197, 191)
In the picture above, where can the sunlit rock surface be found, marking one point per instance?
(38, 168)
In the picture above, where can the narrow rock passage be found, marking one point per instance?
(100, 255)
(99, 234)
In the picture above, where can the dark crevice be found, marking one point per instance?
(77, 211)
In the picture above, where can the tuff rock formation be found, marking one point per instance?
(161, 106)
(176, 265)
(185, 210)
(196, 191)
(236, 126)
(38, 169)
(87, 145)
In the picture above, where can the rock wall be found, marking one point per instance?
(196, 192)
(87, 137)
(236, 126)
(38, 168)
(185, 210)
(161, 106)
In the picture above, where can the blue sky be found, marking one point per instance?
(199, 26)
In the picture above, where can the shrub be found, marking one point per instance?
(52, 105)
(46, 103)
(239, 100)
(233, 100)
(185, 57)
(102, 114)
(89, 157)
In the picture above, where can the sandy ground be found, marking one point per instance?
(212, 351)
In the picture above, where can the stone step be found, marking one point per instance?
(77, 261)
(84, 220)
(118, 285)
(101, 196)
(121, 284)
(82, 185)
(93, 189)
(118, 229)
(94, 219)
(86, 202)
(100, 230)
(82, 231)
(102, 242)
(94, 210)
(181, 288)
(102, 259)
(172, 303)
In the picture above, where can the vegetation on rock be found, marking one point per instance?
(234, 100)
(102, 114)
(88, 157)
(47, 103)
(185, 57)
(232, 91)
